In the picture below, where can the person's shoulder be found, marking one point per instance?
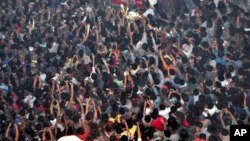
(69, 138)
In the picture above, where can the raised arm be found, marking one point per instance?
(221, 118)
(7, 132)
(86, 34)
(58, 109)
(165, 66)
(126, 125)
(95, 110)
(16, 132)
(106, 65)
(130, 34)
(35, 82)
(138, 131)
(87, 105)
(232, 117)
(51, 106)
(81, 107)
(50, 134)
(71, 92)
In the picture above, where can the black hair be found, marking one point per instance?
(167, 133)
(218, 84)
(162, 107)
(214, 138)
(173, 109)
(203, 136)
(199, 124)
(210, 105)
(202, 98)
(185, 97)
(147, 118)
(155, 113)
(177, 104)
(192, 80)
(124, 138)
(221, 78)
(184, 133)
(173, 123)
(89, 116)
(184, 59)
(122, 111)
(172, 72)
(196, 92)
(206, 91)
(209, 82)
(212, 129)
(209, 68)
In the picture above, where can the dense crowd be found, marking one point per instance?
(95, 70)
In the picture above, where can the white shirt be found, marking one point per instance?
(70, 138)
(165, 113)
(216, 2)
(187, 50)
(212, 111)
(152, 2)
(149, 11)
(141, 42)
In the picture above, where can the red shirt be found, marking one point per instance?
(138, 3)
(15, 107)
(197, 139)
(158, 123)
(118, 2)
(84, 135)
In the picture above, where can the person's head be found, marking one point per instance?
(224, 132)
(210, 105)
(202, 137)
(199, 126)
(183, 133)
(212, 129)
(172, 123)
(167, 133)
(155, 113)
(214, 137)
(147, 118)
(196, 92)
(122, 111)
(80, 131)
(124, 138)
(162, 107)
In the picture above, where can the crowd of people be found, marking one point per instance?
(96, 70)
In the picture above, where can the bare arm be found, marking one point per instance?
(86, 34)
(71, 92)
(80, 104)
(232, 117)
(16, 132)
(221, 118)
(50, 134)
(7, 132)
(87, 106)
(58, 109)
(245, 101)
(51, 107)
(106, 65)
(35, 82)
(95, 111)
(138, 131)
